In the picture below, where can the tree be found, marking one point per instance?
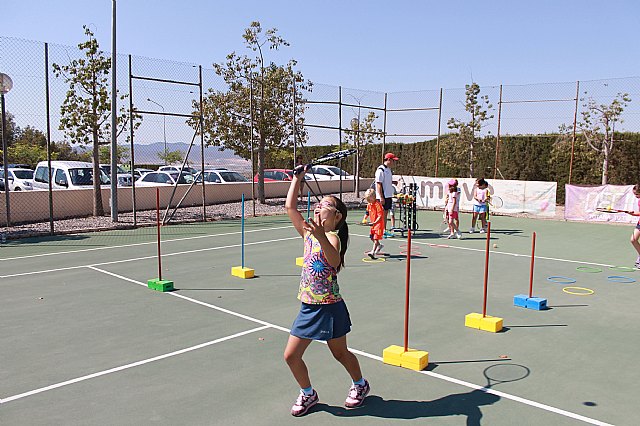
(361, 134)
(465, 143)
(122, 154)
(28, 147)
(598, 127)
(227, 114)
(86, 110)
(170, 157)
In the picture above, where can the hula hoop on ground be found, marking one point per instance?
(585, 291)
(620, 279)
(376, 260)
(413, 253)
(588, 269)
(622, 268)
(559, 279)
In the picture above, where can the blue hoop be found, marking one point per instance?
(620, 279)
(561, 280)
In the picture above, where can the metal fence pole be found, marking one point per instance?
(204, 199)
(133, 181)
(438, 137)
(48, 106)
(575, 123)
(384, 127)
(340, 132)
(495, 168)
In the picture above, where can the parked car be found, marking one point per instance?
(66, 175)
(177, 169)
(164, 178)
(137, 173)
(220, 176)
(322, 172)
(124, 177)
(272, 175)
(19, 179)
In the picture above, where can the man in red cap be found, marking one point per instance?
(384, 185)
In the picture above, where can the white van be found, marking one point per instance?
(66, 175)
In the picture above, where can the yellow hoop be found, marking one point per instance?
(376, 260)
(587, 291)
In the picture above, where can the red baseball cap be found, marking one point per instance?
(390, 156)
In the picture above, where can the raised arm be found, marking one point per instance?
(292, 200)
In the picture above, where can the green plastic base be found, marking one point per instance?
(160, 285)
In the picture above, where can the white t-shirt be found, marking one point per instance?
(482, 195)
(453, 202)
(384, 175)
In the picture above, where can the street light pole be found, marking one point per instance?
(164, 129)
(5, 86)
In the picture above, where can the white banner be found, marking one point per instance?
(581, 202)
(533, 197)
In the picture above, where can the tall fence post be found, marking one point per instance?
(438, 136)
(495, 168)
(131, 141)
(384, 127)
(48, 106)
(575, 123)
(201, 123)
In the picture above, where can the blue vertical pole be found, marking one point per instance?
(308, 204)
(242, 220)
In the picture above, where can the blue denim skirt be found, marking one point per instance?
(322, 322)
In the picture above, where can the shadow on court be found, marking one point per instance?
(461, 404)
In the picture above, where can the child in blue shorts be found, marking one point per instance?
(480, 208)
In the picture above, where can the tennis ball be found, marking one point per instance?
(495, 246)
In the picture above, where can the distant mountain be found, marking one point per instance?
(148, 154)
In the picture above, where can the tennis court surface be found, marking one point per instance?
(85, 342)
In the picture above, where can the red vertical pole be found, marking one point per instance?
(158, 226)
(486, 271)
(533, 255)
(406, 296)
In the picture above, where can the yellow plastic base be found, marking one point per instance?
(488, 323)
(299, 261)
(413, 359)
(240, 272)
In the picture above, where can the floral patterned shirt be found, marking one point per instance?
(319, 280)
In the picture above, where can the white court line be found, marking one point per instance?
(266, 324)
(142, 244)
(124, 367)
(498, 252)
(135, 259)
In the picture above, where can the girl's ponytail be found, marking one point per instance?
(343, 230)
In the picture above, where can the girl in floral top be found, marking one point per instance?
(323, 314)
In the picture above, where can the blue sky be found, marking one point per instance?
(373, 45)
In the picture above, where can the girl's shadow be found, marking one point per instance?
(462, 404)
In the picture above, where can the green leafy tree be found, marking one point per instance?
(598, 127)
(171, 157)
(86, 110)
(361, 134)
(227, 114)
(464, 146)
(28, 147)
(122, 154)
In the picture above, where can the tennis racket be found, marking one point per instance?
(444, 227)
(610, 210)
(504, 373)
(495, 201)
(336, 155)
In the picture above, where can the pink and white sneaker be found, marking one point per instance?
(357, 394)
(304, 403)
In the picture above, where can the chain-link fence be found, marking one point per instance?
(522, 132)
